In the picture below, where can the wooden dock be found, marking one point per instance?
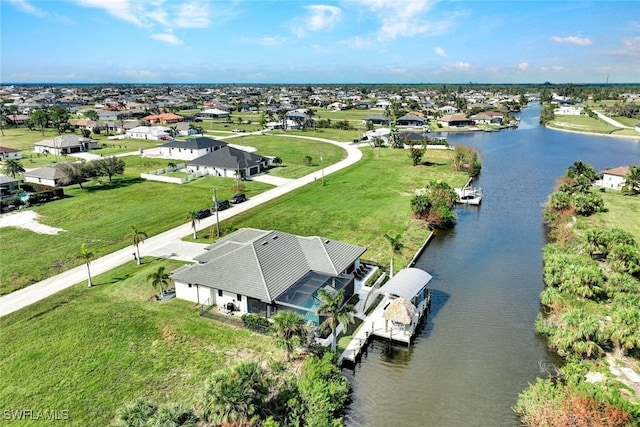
(375, 325)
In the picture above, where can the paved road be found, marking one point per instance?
(168, 243)
(611, 121)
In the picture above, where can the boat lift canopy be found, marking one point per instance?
(406, 284)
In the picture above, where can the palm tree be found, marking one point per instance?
(159, 279)
(236, 396)
(193, 217)
(632, 180)
(290, 330)
(396, 247)
(87, 256)
(12, 168)
(173, 414)
(138, 237)
(135, 414)
(333, 307)
(624, 329)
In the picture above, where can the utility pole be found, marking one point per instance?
(322, 165)
(215, 201)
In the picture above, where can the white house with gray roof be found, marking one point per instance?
(191, 148)
(228, 162)
(258, 271)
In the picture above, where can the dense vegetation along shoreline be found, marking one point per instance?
(591, 303)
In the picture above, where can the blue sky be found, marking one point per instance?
(296, 41)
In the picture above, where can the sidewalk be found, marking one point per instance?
(160, 243)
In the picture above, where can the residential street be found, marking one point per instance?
(167, 244)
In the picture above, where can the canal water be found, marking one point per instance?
(479, 348)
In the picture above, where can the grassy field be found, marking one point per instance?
(90, 350)
(622, 212)
(292, 152)
(100, 216)
(359, 204)
(594, 125)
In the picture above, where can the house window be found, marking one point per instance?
(239, 297)
(219, 292)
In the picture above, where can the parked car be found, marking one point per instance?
(203, 213)
(221, 205)
(238, 198)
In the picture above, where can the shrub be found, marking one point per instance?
(255, 322)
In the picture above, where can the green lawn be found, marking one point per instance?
(292, 151)
(582, 124)
(358, 204)
(101, 215)
(622, 212)
(90, 350)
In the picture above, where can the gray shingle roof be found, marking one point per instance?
(196, 143)
(228, 158)
(46, 172)
(264, 264)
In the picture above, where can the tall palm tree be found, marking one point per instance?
(632, 180)
(396, 246)
(290, 330)
(138, 237)
(12, 168)
(333, 307)
(87, 256)
(193, 217)
(159, 279)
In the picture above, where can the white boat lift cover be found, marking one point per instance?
(406, 283)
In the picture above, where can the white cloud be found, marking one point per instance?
(553, 68)
(523, 66)
(27, 7)
(580, 41)
(630, 46)
(167, 38)
(440, 52)
(147, 13)
(320, 17)
(358, 43)
(406, 19)
(138, 73)
(463, 66)
(272, 41)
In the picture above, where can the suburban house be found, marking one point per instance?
(615, 178)
(158, 133)
(568, 110)
(213, 113)
(191, 148)
(262, 272)
(48, 175)
(455, 120)
(410, 138)
(376, 119)
(110, 115)
(411, 120)
(8, 185)
(185, 129)
(487, 117)
(7, 153)
(65, 144)
(229, 161)
(164, 118)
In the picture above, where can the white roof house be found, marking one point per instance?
(150, 132)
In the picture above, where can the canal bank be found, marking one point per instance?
(479, 348)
